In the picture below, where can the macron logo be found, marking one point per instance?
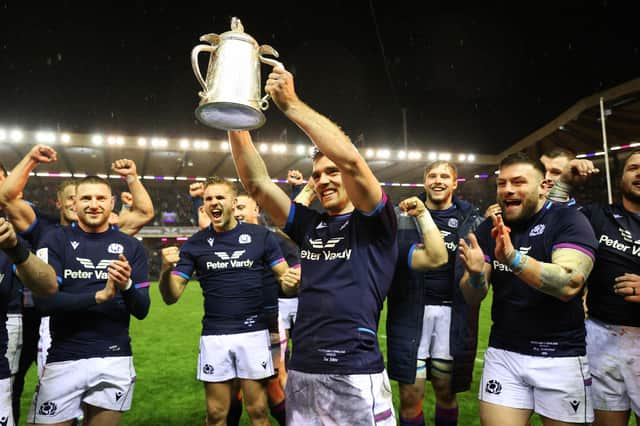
(321, 225)
(331, 242)
(225, 256)
(87, 263)
(75, 244)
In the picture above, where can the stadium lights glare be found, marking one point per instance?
(462, 157)
(383, 153)
(445, 156)
(159, 142)
(16, 135)
(415, 155)
(3, 134)
(65, 138)
(369, 153)
(471, 158)
(224, 145)
(97, 139)
(45, 137)
(432, 156)
(300, 149)
(402, 155)
(184, 143)
(263, 147)
(142, 142)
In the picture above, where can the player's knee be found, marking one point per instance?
(216, 413)
(257, 410)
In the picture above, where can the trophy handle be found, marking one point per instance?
(265, 49)
(194, 63)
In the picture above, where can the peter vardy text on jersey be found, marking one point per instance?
(617, 245)
(84, 275)
(234, 264)
(326, 255)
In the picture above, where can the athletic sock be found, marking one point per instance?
(446, 416)
(279, 413)
(417, 420)
(235, 412)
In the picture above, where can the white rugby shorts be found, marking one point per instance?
(436, 325)
(242, 355)
(614, 359)
(555, 387)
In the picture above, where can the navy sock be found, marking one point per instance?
(446, 416)
(417, 420)
(279, 413)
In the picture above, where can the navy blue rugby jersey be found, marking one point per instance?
(618, 234)
(347, 264)
(80, 328)
(526, 320)
(230, 267)
(439, 282)
(6, 283)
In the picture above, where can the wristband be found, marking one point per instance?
(18, 254)
(520, 267)
(516, 260)
(129, 284)
(126, 206)
(478, 280)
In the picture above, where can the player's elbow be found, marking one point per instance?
(46, 290)
(142, 312)
(572, 289)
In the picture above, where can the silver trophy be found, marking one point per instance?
(230, 97)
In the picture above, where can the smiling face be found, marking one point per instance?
(440, 181)
(246, 210)
(630, 183)
(219, 203)
(520, 192)
(66, 203)
(329, 188)
(553, 168)
(94, 205)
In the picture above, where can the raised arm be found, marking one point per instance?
(256, 181)
(19, 211)
(141, 211)
(433, 253)
(362, 186)
(35, 274)
(171, 286)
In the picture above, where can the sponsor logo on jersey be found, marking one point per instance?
(626, 235)
(537, 230)
(97, 271)
(327, 255)
(48, 408)
(229, 260)
(618, 245)
(494, 387)
(210, 241)
(244, 239)
(75, 244)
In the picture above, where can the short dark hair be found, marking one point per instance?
(558, 151)
(631, 154)
(316, 154)
(522, 158)
(90, 180)
(437, 163)
(216, 180)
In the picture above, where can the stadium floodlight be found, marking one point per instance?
(462, 157)
(432, 156)
(16, 135)
(79, 175)
(369, 153)
(65, 138)
(45, 137)
(263, 148)
(65, 175)
(300, 149)
(383, 153)
(103, 176)
(471, 158)
(415, 155)
(224, 145)
(97, 139)
(402, 155)
(159, 142)
(115, 177)
(184, 143)
(3, 134)
(445, 156)
(142, 141)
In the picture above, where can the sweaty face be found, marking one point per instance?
(553, 167)
(246, 210)
(66, 203)
(219, 202)
(520, 192)
(439, 183)
(94, 204)
(328, 186)
(630, 183)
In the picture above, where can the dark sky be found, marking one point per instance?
(470, 78)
